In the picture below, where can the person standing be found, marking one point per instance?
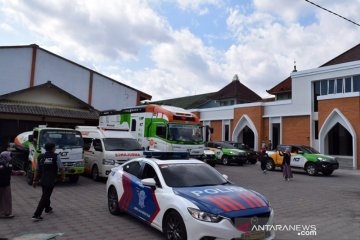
(5, 188)
(270, 145)
(48, 165)
(263, 159)
(287, 173)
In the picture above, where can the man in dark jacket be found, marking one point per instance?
(5, 189)
(48, 165)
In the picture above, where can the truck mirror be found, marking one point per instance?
(31, 138)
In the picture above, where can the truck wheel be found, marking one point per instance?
(29, 174)
(74, 178)
(311, 169)
(225, 160)
(95, 173)
(270, 165)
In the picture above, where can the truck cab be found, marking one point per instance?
(68, 144)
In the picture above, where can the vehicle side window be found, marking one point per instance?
(87, 143)
(133, 125)
(36, 135)
(97, 145)
(149, 172)
(133, 168)
(161, 131)
(295, 150)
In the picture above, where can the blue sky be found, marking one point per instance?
(174, 48)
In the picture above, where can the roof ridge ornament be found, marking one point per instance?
(294, 66)
(236, 78)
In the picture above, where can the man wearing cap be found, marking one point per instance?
(48, 165)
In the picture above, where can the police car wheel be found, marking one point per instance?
(174, 227)
(95, 173)
(311, 169)
(113, 202)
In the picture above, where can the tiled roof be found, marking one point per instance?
(187, 102)
(237, 90)
(284, 86)
(16, 108)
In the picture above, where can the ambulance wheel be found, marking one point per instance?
(311, 169)
(95, 173)
(174, 227)
(74, 178)
(270, 165)
(29, 174)
(225, 160)
(113, 201)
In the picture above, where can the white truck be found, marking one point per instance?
(69, 144)
(160, 128)
(105, 148)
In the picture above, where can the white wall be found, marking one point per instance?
(15, 69)
(69, 77)
(108, 94)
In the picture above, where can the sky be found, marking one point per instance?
(176, 48)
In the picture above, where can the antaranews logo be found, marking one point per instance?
(301, 230)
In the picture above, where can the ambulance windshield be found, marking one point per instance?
(185, 133)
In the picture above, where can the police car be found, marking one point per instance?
(187, 199)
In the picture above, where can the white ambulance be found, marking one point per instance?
(105, 148)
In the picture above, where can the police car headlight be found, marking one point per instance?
(108, 162)
(204, 216)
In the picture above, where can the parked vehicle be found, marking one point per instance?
(30, 145)
(159, 128)
(105, 148)
(187, 199)
(304, 157)
(227, 153)
(251, 155)
(210, 157)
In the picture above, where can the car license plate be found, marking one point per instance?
(253, 235)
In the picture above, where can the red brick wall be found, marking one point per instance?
(296, 130)
(350, 108)
(217, 134)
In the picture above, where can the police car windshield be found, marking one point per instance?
(308, 149)
(121, 144)
(191, 175)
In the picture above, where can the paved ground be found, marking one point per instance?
(332, 204)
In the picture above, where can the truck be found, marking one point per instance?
(69, 146)
(106, 148)
(159, 128)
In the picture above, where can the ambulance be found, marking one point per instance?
(159, 128)
(105, 148)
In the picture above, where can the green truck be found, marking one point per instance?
(69, 146)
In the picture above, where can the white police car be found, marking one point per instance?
(187, 199)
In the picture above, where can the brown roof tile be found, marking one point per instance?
(237, 90)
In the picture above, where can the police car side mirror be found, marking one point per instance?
(226, 176)
(150, 182)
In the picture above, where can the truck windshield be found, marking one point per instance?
(121, 144)
(185, 133)
(61, 138)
